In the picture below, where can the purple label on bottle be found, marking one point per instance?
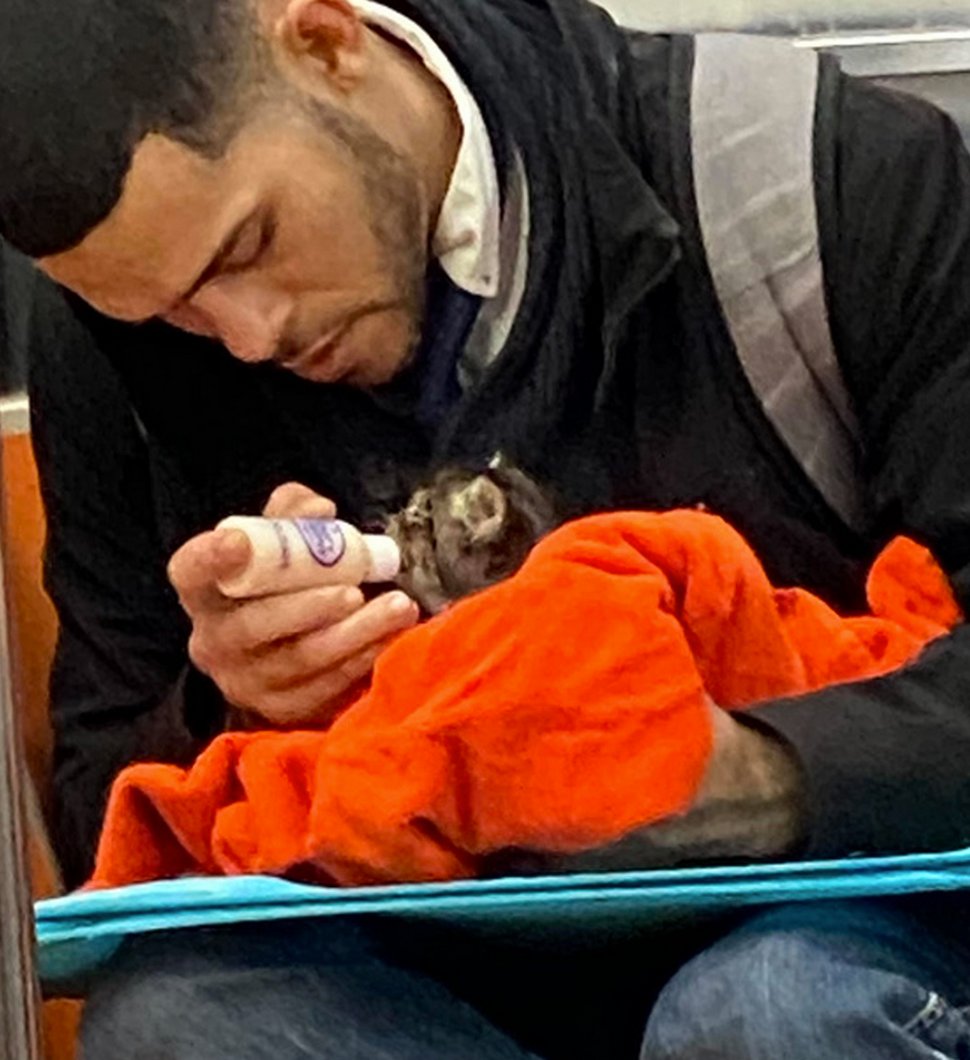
(324, 539)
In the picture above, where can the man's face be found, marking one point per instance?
(288, 248)
(303, 244)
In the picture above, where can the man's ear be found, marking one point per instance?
(327, 36)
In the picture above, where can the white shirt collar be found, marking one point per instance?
(466, 241)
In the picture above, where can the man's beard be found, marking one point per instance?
(395, 216)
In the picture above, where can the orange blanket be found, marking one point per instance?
(557, 711)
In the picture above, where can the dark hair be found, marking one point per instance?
(82, 82)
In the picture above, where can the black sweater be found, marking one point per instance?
(145, 436)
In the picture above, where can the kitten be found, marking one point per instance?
(467, 530)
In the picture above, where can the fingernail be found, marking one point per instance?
(401, 604)
(232, 549)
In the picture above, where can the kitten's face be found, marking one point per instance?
(468, 530)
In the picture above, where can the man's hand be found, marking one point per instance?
(748, 806)
(291, 658)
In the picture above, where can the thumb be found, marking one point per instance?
(201, 562)
(294, 500)
(231, 551)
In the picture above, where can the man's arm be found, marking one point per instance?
(879, 766)
(749, 806)
(123, 688)
(120, 681)
(885, 761)
(882, 765)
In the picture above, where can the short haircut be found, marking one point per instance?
(82, 82)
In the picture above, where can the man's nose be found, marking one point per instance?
(250, 321)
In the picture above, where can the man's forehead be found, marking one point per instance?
(172, 209)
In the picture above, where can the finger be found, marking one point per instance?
(319, 701)
(293, 500)
(294, 662)
(198, 565)
(227, 645)
(256, 625)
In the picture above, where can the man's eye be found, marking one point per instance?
(250, 245)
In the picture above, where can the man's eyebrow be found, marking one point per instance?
(215, 262)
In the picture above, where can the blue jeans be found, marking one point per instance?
(858, 981)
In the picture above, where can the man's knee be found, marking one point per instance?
(130, 1011)
(789, 991)
(329, 992)
(209, 995)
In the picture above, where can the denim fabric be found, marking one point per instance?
(289, 994)
(851, 981)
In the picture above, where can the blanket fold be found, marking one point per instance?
(557, 711)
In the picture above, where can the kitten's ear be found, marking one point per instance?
(485, 508)
(533, 502)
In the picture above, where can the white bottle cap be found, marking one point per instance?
(385, 557)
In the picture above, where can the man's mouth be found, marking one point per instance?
(319, 360)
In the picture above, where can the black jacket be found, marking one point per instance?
(145, 437)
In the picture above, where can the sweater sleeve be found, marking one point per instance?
(885, 761)
(121, 687)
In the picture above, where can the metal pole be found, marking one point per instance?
(19, 1036)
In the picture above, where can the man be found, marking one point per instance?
(307, 248)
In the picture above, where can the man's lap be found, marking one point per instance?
(568, 1002)
(373, 989)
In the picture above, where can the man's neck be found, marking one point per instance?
(425, 124)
